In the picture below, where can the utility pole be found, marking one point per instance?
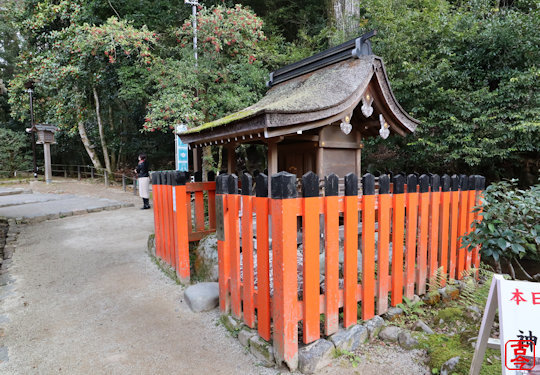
(194, 5)
(29, 85)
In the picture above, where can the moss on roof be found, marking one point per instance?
(245, 113)
(311, 92)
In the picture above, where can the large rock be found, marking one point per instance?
(449, 366)
(393, 313)
(390, 333)
(202, 296)
(262, 350)
(419, 325)
(406, 341)
(206, 259)
(374, 326)
(350, 338)
(315, 356)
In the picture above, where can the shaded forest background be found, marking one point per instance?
(117, 76)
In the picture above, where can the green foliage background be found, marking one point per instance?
(467, 69)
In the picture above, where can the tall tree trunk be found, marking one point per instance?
(114, 163)
(343, 15)
(88, 146)
(102, 133)
(207, 162)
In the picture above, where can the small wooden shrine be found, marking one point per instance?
(315, 114)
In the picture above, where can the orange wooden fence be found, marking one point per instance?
(406, 231)
(183, 212)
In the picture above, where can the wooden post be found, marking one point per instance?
(283, 188)
(158, 213)
(182, 242)
(385, 205)
(272, 162)
(106, 178)
(78, 172)
(231, 158)
(92, 172)
(444, 224)
(421, 261)
(196, 163)
(233, 204)
(368, 246)
(263, 257)
(480, 186)
(412, 222)
(247, 250)
(398, 222)
(470, 218)
(433, 245)
(358, 154)
(331, 265)
(47, 157)
(311, 238)
(222, 233)
(463, 215)
(350, 264)
(134, 186)
(454, 205)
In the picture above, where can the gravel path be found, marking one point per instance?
(88, 300)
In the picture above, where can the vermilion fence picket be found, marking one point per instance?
(279, 257)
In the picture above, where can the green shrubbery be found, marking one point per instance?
(509, 229)
(14, 154)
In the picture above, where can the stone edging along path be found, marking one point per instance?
(319, 354)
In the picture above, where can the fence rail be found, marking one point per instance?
(393, 240)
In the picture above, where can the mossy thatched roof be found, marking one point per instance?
(312, 97)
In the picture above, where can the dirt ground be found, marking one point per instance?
(88, 299)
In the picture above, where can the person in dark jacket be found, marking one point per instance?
(143, 179)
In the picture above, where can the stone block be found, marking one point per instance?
(244, 335)
(374, 326)
(406, 341)
(231, 324)
(419, 325)
(390, 333)
(448, 367)
(262, 350)
(393, 313)
(202, 296)
(315, 356)
(350, 338)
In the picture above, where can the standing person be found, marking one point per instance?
(143, 178)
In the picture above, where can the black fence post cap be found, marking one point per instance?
(261, 185)
(446, 182)
(351, 184)
(384, 184)
(331, 185)
(222, 182)
(247, 184)
(435, 182)
(455, 182)
(412, 182)
(463, 182)
(232, 184)
(283, 185)
(310, 185)
(368, 184)
(399, 183)
(424, 183)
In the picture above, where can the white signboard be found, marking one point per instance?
(519, 320)
(519, 327)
